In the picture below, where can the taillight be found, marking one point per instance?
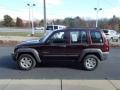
(106, 45)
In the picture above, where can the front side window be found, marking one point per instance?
(78, 37)
(96, 37)
(58, 37)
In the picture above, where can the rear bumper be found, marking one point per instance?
(105, 56)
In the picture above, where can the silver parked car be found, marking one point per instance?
(111, 34)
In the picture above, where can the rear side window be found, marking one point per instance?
(78, 37)
(96, 37)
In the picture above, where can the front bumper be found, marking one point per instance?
(14, 56)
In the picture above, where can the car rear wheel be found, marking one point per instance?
(26, 62)
(90, 62)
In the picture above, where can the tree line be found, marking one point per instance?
(76, 22)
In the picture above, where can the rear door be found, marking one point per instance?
(78, 42)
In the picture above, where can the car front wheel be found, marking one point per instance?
(26, 62)
(90, 62)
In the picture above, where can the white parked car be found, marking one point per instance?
(54, 27)
(111, 34)
(39, 28)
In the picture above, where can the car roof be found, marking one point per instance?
(107, 30)
(70, 29)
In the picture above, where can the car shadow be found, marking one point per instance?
(60, 64)
(8, 63)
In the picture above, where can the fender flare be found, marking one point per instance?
(29, 50)
(91, 51)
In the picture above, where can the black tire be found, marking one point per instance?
(117, 40)
(26, 62)
(111, 39)
(93, 60)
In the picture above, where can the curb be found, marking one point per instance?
(8, 42)
(28, 84)
(13, 40)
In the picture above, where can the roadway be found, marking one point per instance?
(108, 69)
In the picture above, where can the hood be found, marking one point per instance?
(27, 43)
(33, 41)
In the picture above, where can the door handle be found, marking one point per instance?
(86, 45)
(62, 45)
(45, 52)
(59, 45)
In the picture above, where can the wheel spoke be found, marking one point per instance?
(26, 62)
(90, 63)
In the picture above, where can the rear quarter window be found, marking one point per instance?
(96, 37)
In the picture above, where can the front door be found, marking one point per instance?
(56, 45)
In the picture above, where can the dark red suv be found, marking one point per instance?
(86, 46)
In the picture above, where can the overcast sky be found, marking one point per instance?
(60, 8)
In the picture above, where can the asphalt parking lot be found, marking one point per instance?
(108, 69)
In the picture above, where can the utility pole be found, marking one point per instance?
(97, 9)
(31, 18)
(97, 17)
(45, 20)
